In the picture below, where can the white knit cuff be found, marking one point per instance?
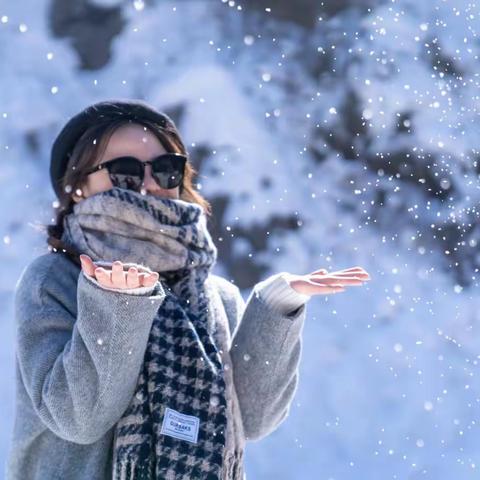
(279, 295)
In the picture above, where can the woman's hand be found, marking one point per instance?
(322, 282)
(117, 277)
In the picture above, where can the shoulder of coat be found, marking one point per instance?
(225, 286)
(54, 258)
(51, 262)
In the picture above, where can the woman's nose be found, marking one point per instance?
(149, 183)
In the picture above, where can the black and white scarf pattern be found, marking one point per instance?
(174, 427)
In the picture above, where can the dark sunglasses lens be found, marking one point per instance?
(168, 170)
(126, 173)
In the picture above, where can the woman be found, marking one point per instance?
(133, 360)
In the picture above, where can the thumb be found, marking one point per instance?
(87, 265)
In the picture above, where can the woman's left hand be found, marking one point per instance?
(321, 282)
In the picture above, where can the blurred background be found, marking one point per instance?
(326, 135)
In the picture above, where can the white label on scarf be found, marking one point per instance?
(179, 425)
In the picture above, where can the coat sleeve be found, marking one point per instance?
(265, 353)
(80, 361)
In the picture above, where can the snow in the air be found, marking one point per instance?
(313, 125)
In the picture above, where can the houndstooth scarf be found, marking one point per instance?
(174, 427)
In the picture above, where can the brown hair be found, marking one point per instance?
(91, 146)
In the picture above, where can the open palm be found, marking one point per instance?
(321, 282)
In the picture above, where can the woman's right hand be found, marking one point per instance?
(117, 277)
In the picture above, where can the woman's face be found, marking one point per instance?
(131, 139)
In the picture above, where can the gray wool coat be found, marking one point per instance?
(79, 351)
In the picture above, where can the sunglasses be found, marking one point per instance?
(128, 171)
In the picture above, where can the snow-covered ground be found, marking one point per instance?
(388, 374)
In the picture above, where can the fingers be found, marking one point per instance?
(104, 276)
(143, 279)
(357, 271)
(149, 279)
(333, 287)
(87, 265)
(323, 282)
(132, 280)
(334, 279)
(117, 277)
(322, 271)
(353, 272)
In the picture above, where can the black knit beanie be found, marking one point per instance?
(114, 108)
